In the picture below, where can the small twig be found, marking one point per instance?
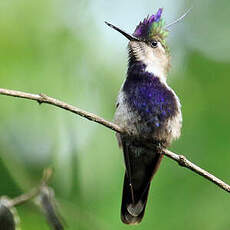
(24, 197)
(180, 159)
(33, 192)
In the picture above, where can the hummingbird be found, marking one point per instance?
(148, 110)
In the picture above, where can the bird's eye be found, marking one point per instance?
(154, 43)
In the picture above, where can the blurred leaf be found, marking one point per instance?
(48, 204)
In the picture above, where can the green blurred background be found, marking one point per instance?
(63, 48)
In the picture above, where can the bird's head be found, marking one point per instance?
(148, 44)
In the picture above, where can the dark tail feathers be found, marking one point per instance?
(141, 164)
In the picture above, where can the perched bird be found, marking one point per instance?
(148, 110)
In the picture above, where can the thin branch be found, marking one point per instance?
(184, 162)
(42, 98)
(180, 159)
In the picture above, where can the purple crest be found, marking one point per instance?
(143, 28)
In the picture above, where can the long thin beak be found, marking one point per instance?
(129, 36)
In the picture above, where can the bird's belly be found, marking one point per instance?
(143, 122)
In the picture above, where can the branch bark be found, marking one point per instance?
(184, 162)
(180, 159)
(42, 98)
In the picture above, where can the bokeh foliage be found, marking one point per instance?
(41, 51)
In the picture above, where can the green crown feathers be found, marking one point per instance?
(152, 28)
